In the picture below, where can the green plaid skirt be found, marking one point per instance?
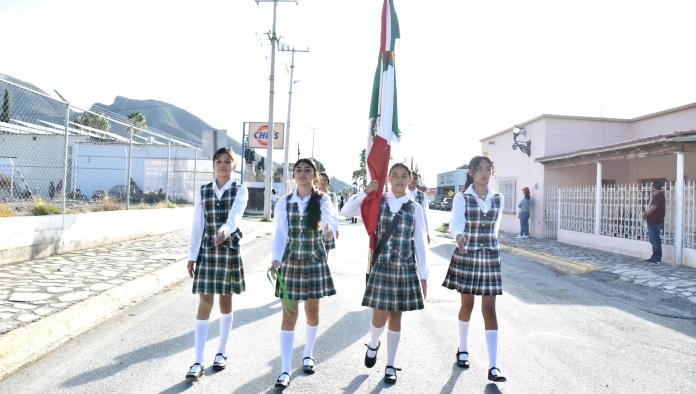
(477, 272)
(218, 271)
(393, 287)
(330, 244)
(306, 279)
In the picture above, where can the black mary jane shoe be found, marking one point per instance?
(370, 361)
(463, 363)
(283, 383)
(390, 378)
(309, 368)
(496, 378)
(220, 362)
(195, 372)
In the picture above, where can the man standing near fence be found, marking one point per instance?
(655, 218)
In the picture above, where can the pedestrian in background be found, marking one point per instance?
(419, 197)
(524, 213)
(475, 265)
(303, 221)
(214, 260)
(398, 276)
(323, 186)
(655, 218)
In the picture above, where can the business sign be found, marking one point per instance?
(258, 135)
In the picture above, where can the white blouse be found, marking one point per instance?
(234, 217)
(280, 215)
(424, 205)
(352, 208)
(458, 218)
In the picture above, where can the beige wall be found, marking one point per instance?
(513, 164)
(676, 121)
(568, 135)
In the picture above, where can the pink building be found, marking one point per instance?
(588, 178)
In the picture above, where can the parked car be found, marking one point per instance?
(435, 202)
(446, 204)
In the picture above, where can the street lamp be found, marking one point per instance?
(524, 146)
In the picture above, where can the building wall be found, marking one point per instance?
(568, 135)
(451, 181)
(515, 166)
(36, 160)
(676, 121)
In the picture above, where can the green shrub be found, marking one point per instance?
(443, 228)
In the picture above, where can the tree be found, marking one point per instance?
(360, 175)
(5, 114)
(95, 121)
(137, 119)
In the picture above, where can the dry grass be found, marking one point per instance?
(6, 211)
(39, 208)
(110, 205)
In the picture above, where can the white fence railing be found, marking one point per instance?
(622, 207)
(577, 205)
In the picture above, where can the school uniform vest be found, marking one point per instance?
(420, 197)
(480, 227)
(400, 248)
(303, 243)
(216, 212)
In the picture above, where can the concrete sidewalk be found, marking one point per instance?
(676, 280)
(46, 302)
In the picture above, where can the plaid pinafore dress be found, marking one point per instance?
(331, 243)
(478, 271)
(394, 284)
(304, 269)
(218, 268)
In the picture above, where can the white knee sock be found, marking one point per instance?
(225, 327)
(392, 344)
(311, 336)
(463, 336)
(286, 342)
(375, 333)
(492, 342)
(200, 336)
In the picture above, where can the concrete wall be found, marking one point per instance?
(29, 237)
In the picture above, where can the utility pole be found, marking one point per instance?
(313, 130)
(285, 48)
(270, 132)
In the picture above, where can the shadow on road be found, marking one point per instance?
(169, 347)
(344, 333)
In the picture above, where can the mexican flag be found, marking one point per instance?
(384, 127)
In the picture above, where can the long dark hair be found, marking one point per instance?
(314, 205)
(472, 167)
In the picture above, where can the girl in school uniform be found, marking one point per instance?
(214, 261)
(323, 186)
(475, 265)
(397, 281)
(304, 220)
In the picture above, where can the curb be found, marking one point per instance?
(564, 265)
(31, 342)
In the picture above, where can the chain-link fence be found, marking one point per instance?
(59, 157)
